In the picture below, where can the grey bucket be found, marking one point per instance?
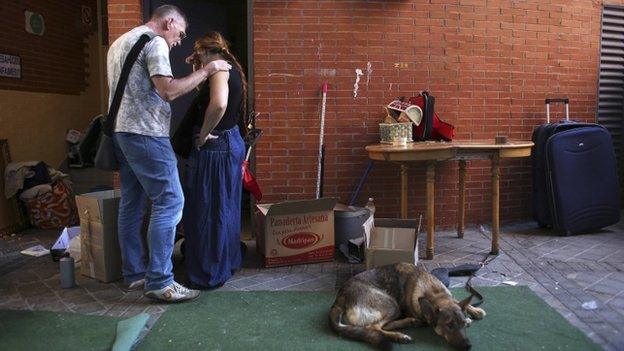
(348, 225)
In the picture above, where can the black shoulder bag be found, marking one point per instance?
(105, 156)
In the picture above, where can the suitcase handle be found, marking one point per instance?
(564, 101)
(561, 101)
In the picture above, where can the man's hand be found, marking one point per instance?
(200, 140)
(216, 66)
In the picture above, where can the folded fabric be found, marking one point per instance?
(35, 191)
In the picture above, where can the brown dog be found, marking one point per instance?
(374, 303)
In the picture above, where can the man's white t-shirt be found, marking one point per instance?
(142, 110)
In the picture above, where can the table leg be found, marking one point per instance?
(430, 202)
(462, 199)
(495, 202)
(404, 191)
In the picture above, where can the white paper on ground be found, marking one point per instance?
(37, 251)
(510, 282)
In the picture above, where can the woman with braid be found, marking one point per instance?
(213, 179)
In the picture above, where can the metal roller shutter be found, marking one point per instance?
(611, 83)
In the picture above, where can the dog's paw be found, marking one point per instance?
(468, 322)
(405, 339)
(477, 313)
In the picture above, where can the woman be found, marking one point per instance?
(213, 185)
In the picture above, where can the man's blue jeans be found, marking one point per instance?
(148, 169)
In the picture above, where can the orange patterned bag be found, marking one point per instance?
(53, 210)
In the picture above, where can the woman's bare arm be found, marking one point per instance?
(219, 92)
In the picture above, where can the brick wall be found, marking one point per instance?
(55, 62)
(123, 15)
(490, 64)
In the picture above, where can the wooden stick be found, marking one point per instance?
(495, 202)
(430, 207)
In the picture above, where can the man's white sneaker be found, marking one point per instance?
(173, 293)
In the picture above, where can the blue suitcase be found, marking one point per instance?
(582, 181)
(565, 195)
(541, 134)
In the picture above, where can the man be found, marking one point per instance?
(146, 158)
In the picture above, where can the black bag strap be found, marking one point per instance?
(444, 274)
(121, 84)
(473, 292)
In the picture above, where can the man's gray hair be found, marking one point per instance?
(166, 11)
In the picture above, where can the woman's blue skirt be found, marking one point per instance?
(212, 210)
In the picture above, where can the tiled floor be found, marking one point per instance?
(580, 276)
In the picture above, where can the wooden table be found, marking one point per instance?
(432, 152)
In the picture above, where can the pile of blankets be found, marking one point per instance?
(45, 192)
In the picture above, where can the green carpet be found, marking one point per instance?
(267, 320)
(43, 330)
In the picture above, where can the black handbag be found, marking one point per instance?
(105, 158)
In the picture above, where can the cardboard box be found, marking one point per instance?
(100, 254)
(391, 241)
(295, 232)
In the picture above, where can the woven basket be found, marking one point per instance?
(388, 132)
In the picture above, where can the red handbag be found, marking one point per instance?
(431, 126)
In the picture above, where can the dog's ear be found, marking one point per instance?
(427, 309)
(465, 303)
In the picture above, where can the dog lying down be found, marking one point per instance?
(373, 304)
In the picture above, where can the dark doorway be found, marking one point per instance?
(231, 18)
(227, 17)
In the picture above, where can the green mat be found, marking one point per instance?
(517, 319)
(43, 330)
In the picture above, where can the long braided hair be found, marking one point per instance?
(213, 43)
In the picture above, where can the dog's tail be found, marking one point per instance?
(367, 334)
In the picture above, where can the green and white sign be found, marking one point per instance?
(34, 23)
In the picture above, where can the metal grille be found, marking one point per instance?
(611, 84)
